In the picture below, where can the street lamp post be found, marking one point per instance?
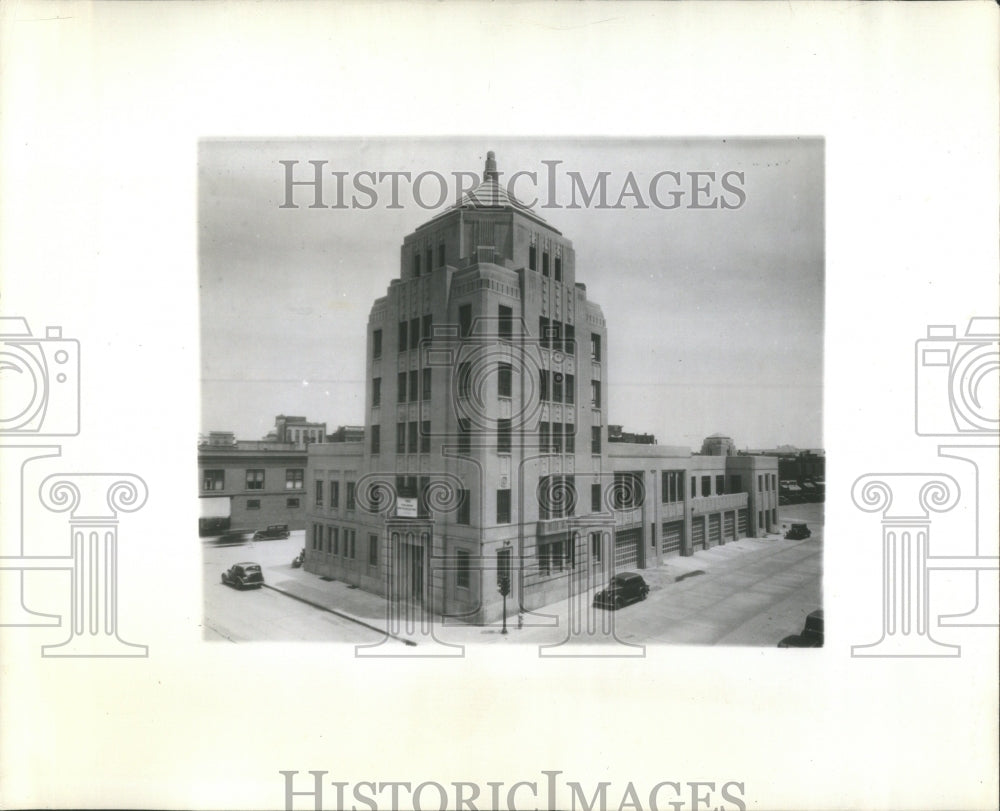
(504, 587)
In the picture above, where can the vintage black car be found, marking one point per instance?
(244, 575)
(272, 533)
(624, 588)
(811, 636)
(234, 536)
(797, 532)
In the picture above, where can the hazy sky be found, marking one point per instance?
(715, 316)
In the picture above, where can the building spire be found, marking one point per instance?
(491, 167)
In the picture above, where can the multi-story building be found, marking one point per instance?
(486, 449)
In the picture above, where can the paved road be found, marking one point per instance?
(262, 614)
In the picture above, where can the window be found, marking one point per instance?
(556, 497)
(414, 389)
(543, 559)
(557, 387)
(425, 436)
(464, 508)
(774, 481)
(441, 255)
(402, 336)
(595, 346)
(555, 334)
(543, 437)
(350, 496)
(464, 437)
(550, 557)
(334, 495)
(595, 393)
(414, 333)
(425, 388)
(570, 390)
(543, 384)
(416, 264)
(595, 545)
(595, 498)
(506, 323)
(760, 482)
(558, 269)
(557, 446)
(354, 536)
(376, 439)
(214, 480)
(461, 569)
(569, 437)
(505, 374)
(503, 436)
(427, 326)
(377, 391)
(255, 479)
(503, 506)
(429, 258)
(595, 439)
(400, 437)
(291, 503)
(336, 541)
(373, 550)
(569, 339)
(401, 387)
(720, 485)
(294, 478)
(545, 263)
(694, 487)
(319, 493)
(464, 321)
(423, 509)
(706, 486)
(544, 335)
(628, 491)
(253, 503)
(532, 258)
(735, 484)
(464, 378)
(673, 486)
(376, 344)
(329, 540)
(412, 444)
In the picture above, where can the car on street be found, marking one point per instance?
(797, 532)
(624, 588)
(274, 532)
(811, 636)
(234, 536)
(244, 575)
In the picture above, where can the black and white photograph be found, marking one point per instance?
(499, 406)
(469, 395)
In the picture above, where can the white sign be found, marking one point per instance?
(406, 508)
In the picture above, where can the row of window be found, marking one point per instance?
(425, 263)
(557, 556)
(554, 334)
(216, 479)
(342, 542)
(334, 491)
(767, 481)
(533, 263)
(290, 503)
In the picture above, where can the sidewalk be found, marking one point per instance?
(681, 585)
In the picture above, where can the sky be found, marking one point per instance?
(714, 315)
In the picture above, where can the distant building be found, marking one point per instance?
(347, 433)
(718, 445)
(801, 473)
(616, 434)
(297, 431)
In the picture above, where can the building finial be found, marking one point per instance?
(491, 167)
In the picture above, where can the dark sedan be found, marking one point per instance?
(244, 575)
(624, 588)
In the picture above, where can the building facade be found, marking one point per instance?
(485, 451)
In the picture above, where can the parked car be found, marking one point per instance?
(243, 575)
(272, 533)
(811, 636)
(624, 588)
(797, 532)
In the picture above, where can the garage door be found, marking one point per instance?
(729, 526)
(715, 529)
(698, 532)
(672, 534)
(627, 549)
(741, 524)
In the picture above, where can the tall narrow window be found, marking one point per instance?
(464, 437)
(595, 545)
(412, 444)
(532, 258)
(543, 437)
(465, 320)
(462, 569)
(373, 550)
(595, 346)
(570, 390)
(595, 439)
(376, 438)
(425, 436)
(505, 323)
(557, 387)
(414, 385)
(505, 373)
(545, 263)
(569, 437)
(376, 392)
(569, 339)
(595, 498)
(425, 389)
(558, 269)
(402, 336)
(720, 485)
(429, 259)
(334, 495)
(426, 326)
(557, 437)
(706, 486)
(464, 379)
(464, 515)
(414, 333)
(544, 338)
(400, 437)
(319, 493)
(503, 506)
(595, 393)
(350, 496)
(376, 344)
(416, 264)
(503, 436)
(401, 387)
(543, 387)
(441, 255)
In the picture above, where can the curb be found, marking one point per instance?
(340, 614)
